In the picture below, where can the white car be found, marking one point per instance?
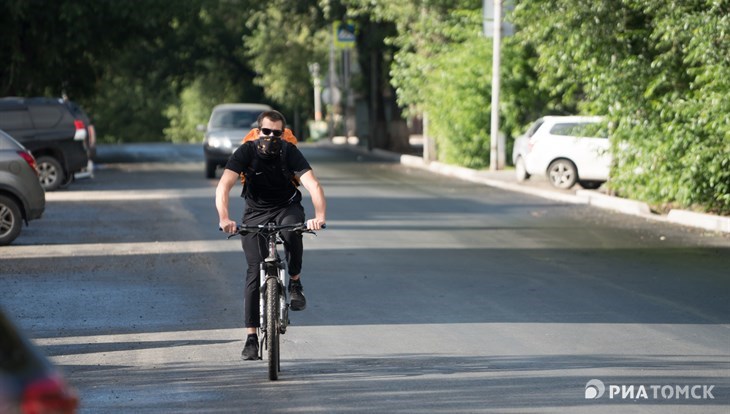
(558, 147)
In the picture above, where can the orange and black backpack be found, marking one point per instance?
(287, 136)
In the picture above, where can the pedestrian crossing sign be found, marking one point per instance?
(344, 34)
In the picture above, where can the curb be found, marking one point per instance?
(589, 197)
(622, 205)
(705, 221)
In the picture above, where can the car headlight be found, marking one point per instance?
(220, 142)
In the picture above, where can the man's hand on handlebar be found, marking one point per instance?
(315, 224)
(228, 226)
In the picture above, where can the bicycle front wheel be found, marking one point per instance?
(272, 327)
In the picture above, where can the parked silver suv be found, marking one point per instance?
(21, 196)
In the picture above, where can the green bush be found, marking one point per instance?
(194, 106)
(659, 71)
(458, 103)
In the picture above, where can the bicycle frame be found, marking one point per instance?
(273, 266)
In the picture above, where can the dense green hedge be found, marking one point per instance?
(458, 97)
(660, 71)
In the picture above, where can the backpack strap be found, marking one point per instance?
(284, 169)
(253, 167)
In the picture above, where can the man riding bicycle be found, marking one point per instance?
(271, 167)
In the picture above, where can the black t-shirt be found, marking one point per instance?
(268, 187)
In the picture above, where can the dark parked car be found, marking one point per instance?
(58, 133)
(29, 383)
(228, 125)
(21, 196)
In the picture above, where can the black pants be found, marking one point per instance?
(254, 246)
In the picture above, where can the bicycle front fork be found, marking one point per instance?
(283, 299)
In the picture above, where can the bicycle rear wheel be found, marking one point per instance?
(272, 327)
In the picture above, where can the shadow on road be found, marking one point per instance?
(401, 384)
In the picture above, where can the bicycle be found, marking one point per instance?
(273, 299)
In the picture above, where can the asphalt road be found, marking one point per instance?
(426, 294)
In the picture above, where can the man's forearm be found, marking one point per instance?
(228, 179)
(315, 190)
(221, 203)
(319, 203)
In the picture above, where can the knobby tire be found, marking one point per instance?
(272, 327)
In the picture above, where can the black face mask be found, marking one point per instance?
(268, 147)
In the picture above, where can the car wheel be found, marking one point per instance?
(521, 170)
(590, 185)
(562, 174)
(10, 220)
(210, 167)
(50, 173)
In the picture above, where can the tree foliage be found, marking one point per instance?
(124, 66)
(659, 70)
(456, 95)
(426, 36)
(285, 36)
(53, 46)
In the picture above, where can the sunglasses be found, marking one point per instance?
(275, 132)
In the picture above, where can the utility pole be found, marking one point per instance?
(346, 89)
(494, 157)
(314, 71)
(331, 112)
(492, 11)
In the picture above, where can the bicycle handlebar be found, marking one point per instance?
(269, 228)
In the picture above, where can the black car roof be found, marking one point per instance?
(15, 101)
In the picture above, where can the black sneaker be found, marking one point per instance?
(251, 349)
(298, 301)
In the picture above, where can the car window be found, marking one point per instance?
(6, 142)
(233, 119)
(45, 116)
(581, 129)
(76, 110)
(535, 126)
(14, 120)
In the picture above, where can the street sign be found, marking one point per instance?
(488, 23)
(343, 34)
(331, 98)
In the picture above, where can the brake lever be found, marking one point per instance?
(304, 229)
(239, 232)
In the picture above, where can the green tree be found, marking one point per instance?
(658, 70)
(457, 93)
(419, 32)
(285, 36)
(125, 67)
(53, 46)
(194, 105)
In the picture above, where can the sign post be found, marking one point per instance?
(493, 27)
(343, 35)
(496, 46)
